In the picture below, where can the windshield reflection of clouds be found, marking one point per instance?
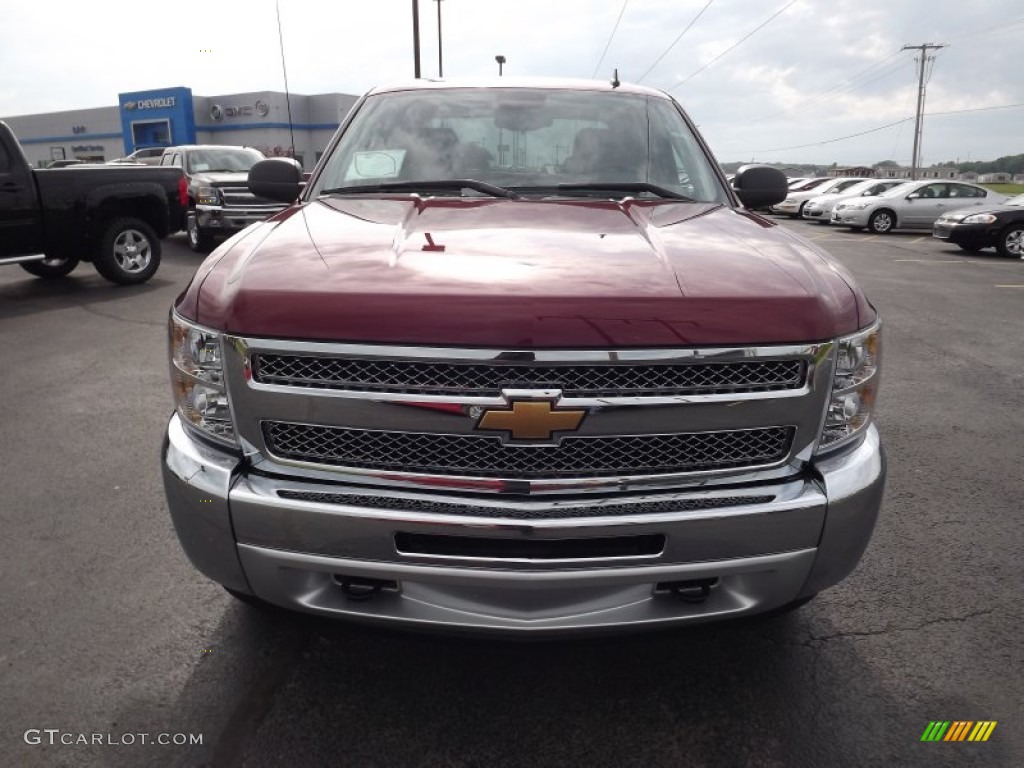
(520, 138)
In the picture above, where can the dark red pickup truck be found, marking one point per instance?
(518, 359)
(111, 215)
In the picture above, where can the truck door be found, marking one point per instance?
(20, 222)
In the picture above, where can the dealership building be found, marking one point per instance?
(172, 116)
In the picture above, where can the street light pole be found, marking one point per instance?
(416, 38)
(440, 63)
(501, 62)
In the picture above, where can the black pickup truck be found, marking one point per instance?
(111, 215)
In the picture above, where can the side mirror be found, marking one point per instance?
(758, 186)
(279, 178)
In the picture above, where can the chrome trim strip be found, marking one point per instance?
(567, 357)
(22, 259)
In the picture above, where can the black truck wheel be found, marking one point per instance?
(129, 252)
(51, 267)
(198, 240)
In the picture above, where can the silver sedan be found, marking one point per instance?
(820, 208)
(915, 205)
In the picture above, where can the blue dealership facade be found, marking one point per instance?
(175, 115)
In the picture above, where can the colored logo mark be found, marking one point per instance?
(958, 730)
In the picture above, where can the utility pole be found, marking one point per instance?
(925, 58)
(416, 37)
(440, 64)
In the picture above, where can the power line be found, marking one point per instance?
(673, 45)
(612, 35)
(838, 88)
(734, 45)
(883, 127)
(850, 82)
(974, 109)
(832, 141)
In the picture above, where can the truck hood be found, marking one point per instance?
(520, 273)
(221, 179)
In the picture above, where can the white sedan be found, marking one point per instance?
(914, 205)
(820, 208)
(793, 205)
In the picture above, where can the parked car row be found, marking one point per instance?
(969, 215)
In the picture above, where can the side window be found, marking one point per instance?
(5, 160)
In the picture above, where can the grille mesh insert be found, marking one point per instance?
(486, 456)
(522, 513)
(580, 380)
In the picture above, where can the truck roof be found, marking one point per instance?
(552, 83)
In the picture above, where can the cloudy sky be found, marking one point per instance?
(802, 74)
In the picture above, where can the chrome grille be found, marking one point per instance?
(487, 456)
(241, 197)
(580, 380)
(523, 513)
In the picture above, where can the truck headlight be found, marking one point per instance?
(197, 380)
(208, 196)
(854, 388)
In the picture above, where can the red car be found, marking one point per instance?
(519, 360)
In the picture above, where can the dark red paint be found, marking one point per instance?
(524, 274)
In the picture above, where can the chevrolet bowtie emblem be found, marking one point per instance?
(531, 420)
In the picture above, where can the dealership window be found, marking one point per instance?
(151, 133)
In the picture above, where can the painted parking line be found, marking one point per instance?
(920, 239)
(934, 261)
(1010, 286)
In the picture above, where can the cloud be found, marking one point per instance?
(775, 77)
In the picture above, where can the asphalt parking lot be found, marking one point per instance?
(108, 630)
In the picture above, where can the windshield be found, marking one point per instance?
(804, 186)
(902, 189)
(857, 188)
(530, 141)
(222, 159)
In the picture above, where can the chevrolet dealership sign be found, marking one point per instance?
(167, 101)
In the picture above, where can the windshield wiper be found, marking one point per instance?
(398, 186)
(623, 186)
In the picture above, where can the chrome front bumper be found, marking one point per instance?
(237, 529)
(231, 219)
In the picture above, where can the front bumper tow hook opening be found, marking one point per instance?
(360, 589)
(691, 591)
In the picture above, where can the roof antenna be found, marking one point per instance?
(615, 79)
(287, 93)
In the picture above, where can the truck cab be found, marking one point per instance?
(111, 215)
